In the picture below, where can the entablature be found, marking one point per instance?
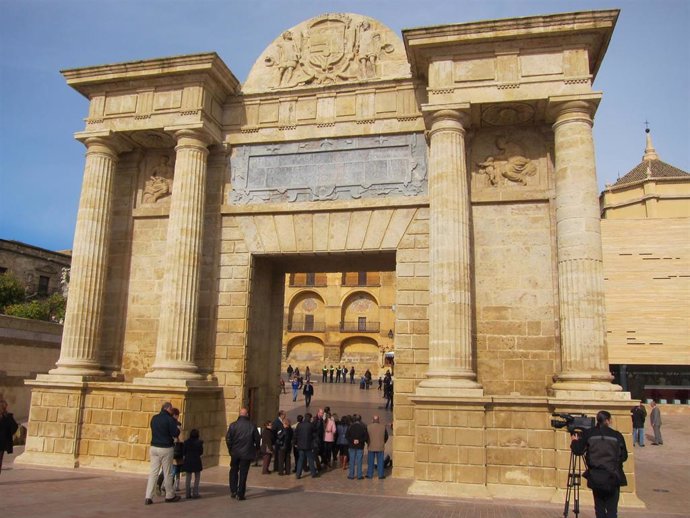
(182, 91)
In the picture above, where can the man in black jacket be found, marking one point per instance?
(304, 434)
(243, 441)
(639, 414)
(277, 429)
(605, 452)
(308, 392)
(164, 430)
(357, 436)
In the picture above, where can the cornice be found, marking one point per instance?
(102, 77)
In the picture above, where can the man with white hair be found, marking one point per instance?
(378, 435)
(164, 431)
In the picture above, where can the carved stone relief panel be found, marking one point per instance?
(156, 172)
(329, 49)
(509, 158)
(329, 169)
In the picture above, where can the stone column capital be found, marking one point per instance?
(192, 139)
(447, 118)
(565, 109)
(105, 143)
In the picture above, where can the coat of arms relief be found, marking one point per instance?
(330, 49)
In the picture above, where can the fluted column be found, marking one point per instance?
(79, 353)
(584, 358)
(450, 310)
(180, 300)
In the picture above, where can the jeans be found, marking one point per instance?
(638, 436)
(310, 460)
(160, 457)
(294, 394)
(378, 455)
(188, 484)
(356, 456)
(606, 504)
(239, 468)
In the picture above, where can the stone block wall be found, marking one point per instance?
(27, 348)
(502, 447)
(516, 298)
(411, 337)
(107, 425)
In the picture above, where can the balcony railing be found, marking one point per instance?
(308, 284)
(360, 327)
(310, 327)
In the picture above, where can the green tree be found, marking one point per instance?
(11, 291)
(51, 309)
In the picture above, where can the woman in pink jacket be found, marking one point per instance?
(329, 437)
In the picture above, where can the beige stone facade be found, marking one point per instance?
(646, 244)
(459, 159)
(339, 319)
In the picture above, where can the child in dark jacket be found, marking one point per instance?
(193, 450)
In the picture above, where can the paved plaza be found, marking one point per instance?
(663, 475)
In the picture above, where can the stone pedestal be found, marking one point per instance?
(179, 306)
(106, 425)
(450, 310)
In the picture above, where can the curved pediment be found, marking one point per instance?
(329, 49)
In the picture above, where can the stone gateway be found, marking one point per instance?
(460, 159)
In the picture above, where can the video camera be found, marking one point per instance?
(575, 423)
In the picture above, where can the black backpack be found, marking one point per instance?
(603, 461)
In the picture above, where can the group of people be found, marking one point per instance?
(170, 457)
(639, 416)
(325, 441)
(317, 443)
(333, 374)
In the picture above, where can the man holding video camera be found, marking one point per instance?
(605, 452)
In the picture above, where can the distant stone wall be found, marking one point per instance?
(27, 347)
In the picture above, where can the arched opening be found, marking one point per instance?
(360, 314)
(305, 351)
(362, 353)
(306, 313)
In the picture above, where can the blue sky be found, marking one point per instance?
(645, 76)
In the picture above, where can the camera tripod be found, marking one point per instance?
(574, 482)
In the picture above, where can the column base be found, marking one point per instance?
(174, 370)
(174, 382)
(449, 386)
(84, 370)
(587, 385)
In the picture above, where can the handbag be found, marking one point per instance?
(601, 479)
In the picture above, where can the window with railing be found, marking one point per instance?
(308, 325)
(361, 279)
(361, 325)
(308, 279)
